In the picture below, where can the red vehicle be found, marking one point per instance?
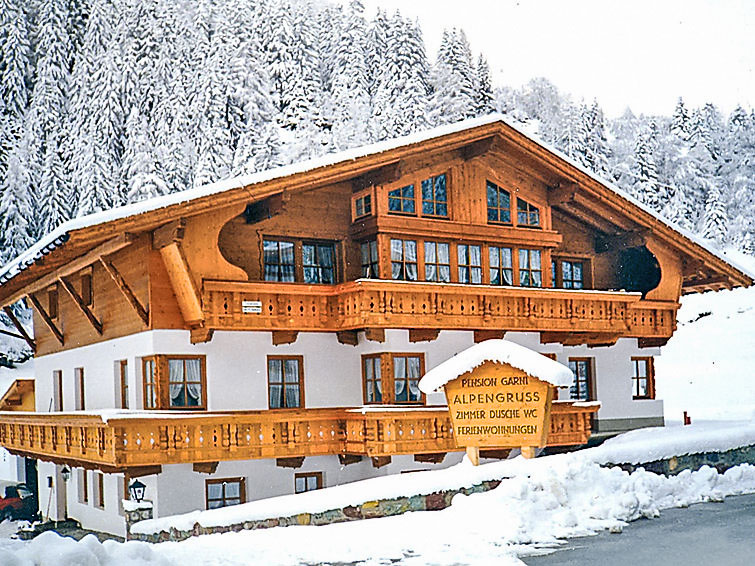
(18, 503)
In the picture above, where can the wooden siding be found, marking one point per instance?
(396, 304)
(137, 441)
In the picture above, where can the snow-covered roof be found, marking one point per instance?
(497, 351)
(61, 234)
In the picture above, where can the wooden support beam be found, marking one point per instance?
(423, 334)
(141, 471)
(496, 453)
(375, 334)
(83, 307)
(432, 458)
(183, 285)
(652, 342)
(488, 334)
(125, 290)
(477, 148)
(168, 234)
(380, 461)
(591, 339)
(295, 462)
(562, 194)
(284, 337)
(106, 248)
(201, 334)
(11, 334)
(380, 176)
(205, 467)
(473, 453)
(46, 318)
(529, 452)
(20, 327)
(350, 337)
(348, 459)
(265, 208)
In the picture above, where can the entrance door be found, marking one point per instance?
(31, 479)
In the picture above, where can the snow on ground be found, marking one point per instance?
(543, 502)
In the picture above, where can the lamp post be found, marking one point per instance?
(136, 490)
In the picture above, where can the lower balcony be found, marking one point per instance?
(123, 441)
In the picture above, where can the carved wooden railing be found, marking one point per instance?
(137, 439)
(373, 303)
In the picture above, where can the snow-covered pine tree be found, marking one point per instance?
(573, 137)
(646, 187)
(15, 231)
(715, 222)
(483, 87)
(738, 171)
(16, 60)
(597, 149)
(376, 49)
(455, 56)
(139, 168)
(680, 125)
(446, 106)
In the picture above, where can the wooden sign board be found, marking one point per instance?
(499, 406)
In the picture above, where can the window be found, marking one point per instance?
(404, 260)
(499, 204)
(643, 379)
(530, 269)
(285, 379)
(78, 376)
(307, 481)
(407, 371)
(57, 390)
(434, 196)
(437, 262)
(99, 489)
(318, 263)
(82, 482)
(224, 492)
(373, 386)
(52, 302)
(86, 288)
(122, 366)
(501, 266)
(581, 388)
(470, 263)
(402, 200)
(526, 214)
(185, 382)
(174, 382)
(149, 374)
(279, 260)
(569, 274)
(363, 206)
(370, 259)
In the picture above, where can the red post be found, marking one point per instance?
(687, 419)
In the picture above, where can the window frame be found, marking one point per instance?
(319, 477)
(79, 391)
(436, 263)
(98, 497)
(589, 379)
(57, 389)
(298, 258)
(492, 184)
(528, 210)
(418, 200)
(223, 481)
(403, 200)
(469, 266)
(365, 396)
(500, 269)
(372, 248)
(557, 271)
(388, 380)
(161, 381)
(403, 261)
(649, 378)
(434, 201)
(82, 483)
(123, 383)
(528, 269)
(283, 359)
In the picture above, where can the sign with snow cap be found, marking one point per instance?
(499, 395)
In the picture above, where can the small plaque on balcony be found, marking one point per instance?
(251, 307)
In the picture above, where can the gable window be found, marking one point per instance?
(470, 263)
(371, 373)
(363, 206)
(530, 268)
(174, 382)
(285, 382)
(185, 382)
(434, 196)
(279, 260)
(370, 259)
(307, 481)
(526, 214)
(402, 200)
(318, 263)
(499, 204)
(404, 260)
(437, 262)
(501, 266)
(581, 387)
(643, 378)
(224, 492)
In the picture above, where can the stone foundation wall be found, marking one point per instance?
(722, 461)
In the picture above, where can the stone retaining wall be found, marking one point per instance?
(722, 461)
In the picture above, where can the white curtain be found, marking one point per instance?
(413, 375)
(194, 382)
(175, 379)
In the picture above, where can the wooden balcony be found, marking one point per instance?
(132, 440)
(369, 303)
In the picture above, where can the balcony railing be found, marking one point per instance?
(369, 303)
(134, 439)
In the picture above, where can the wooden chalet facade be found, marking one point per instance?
(277, 325)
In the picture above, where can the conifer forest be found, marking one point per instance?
(107, 102)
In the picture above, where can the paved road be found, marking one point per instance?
(711, 533)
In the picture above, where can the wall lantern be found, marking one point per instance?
(65, 473)
(136, 489)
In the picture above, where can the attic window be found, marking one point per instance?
(499, 204)
(402, 200)
(526, 214)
